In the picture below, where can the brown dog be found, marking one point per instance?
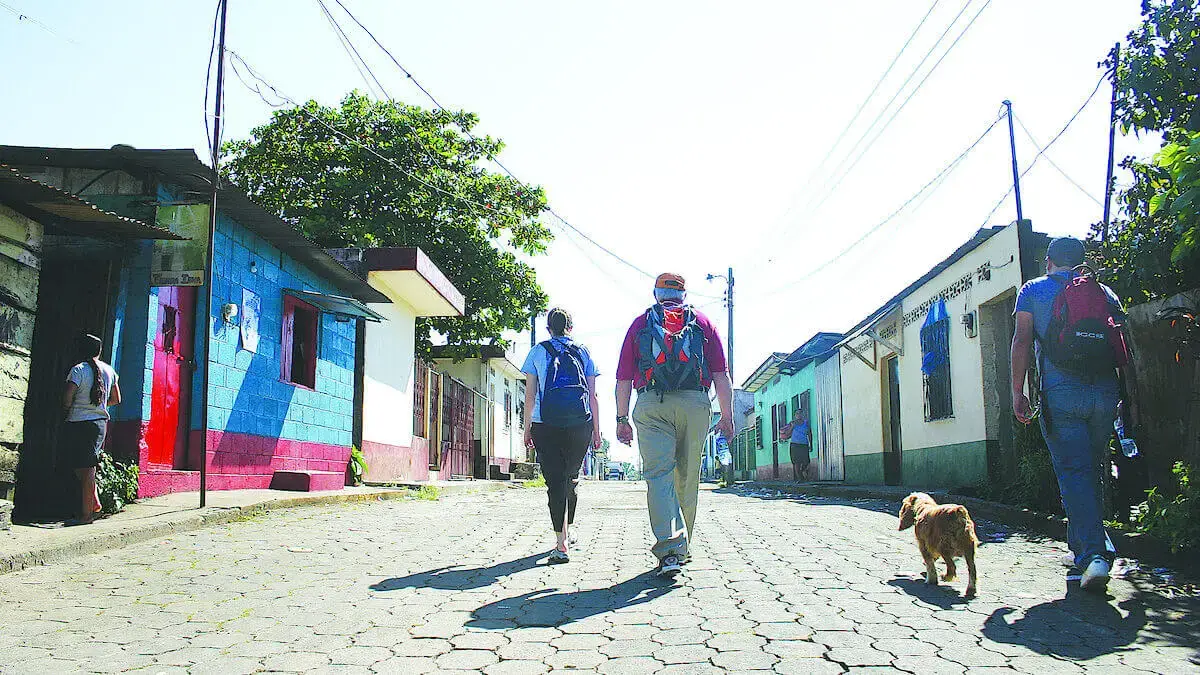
(943, 531)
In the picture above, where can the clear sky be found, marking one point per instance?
(679, 134)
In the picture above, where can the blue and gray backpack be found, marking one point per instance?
(565, 398)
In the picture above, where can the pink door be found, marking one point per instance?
(171, 392)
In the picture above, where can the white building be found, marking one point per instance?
(947, 427)
(387, 428)
(499, 389)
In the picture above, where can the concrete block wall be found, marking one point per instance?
(257, 421)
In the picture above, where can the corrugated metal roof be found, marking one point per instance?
(60, 208)
(183, 168)
(765, 372)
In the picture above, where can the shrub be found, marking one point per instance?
(1174, 520)
(539, 482)
(428, 493)
(117, 482)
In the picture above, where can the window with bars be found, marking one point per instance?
(508, 408)
(935, 368)
(758, 431)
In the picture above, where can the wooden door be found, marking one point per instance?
(171, 390)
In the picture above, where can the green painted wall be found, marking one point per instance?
(779, 390)
(864, 469)
(946, 466)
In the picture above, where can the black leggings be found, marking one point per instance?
(560, 451)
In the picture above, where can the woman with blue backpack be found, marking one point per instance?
(560, 393)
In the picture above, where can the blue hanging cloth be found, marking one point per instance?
(935, 338)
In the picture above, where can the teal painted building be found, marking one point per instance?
(782, 385)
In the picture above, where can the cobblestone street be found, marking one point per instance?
(786, 584)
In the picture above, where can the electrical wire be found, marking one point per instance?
(495, 160)
(941, 174)
(897, 112)
(862, 106)
(1043, 150)
(22, 16)
(356, 58)
(1057, 168)
(289, 101)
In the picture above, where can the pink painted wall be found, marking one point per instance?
(388, 463)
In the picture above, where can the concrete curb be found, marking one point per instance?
(1131, 545)
(106, 539)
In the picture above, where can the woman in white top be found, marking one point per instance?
(91, 389)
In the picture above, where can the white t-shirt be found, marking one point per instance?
(82, 409)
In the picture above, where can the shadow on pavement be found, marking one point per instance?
(551, 607)
(1079, 626)
(989, 532)
(454, 578)
(943, 595)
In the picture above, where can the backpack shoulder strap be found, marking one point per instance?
(549, 346)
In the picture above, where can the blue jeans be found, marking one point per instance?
(1077, 434)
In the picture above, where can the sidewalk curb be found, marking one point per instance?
(175, 523)
(1131, 545)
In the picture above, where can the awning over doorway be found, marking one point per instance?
(336, 305)
(65, 211)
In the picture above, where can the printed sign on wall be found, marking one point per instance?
(251, 312)
(181, 263)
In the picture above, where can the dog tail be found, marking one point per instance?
(962, 518)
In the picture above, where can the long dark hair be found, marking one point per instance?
(89, 347)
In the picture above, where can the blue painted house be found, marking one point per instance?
(281, 336)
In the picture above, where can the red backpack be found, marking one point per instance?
(1085, 336)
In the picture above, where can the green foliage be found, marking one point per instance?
(1155, 251)
(429, 190)
(1175, 520)
(117, 482)
(358, 465)
(429, 493)
(539, 482)
(1032, 483)
(1159, 75)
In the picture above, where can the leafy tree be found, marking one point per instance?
(1156, 248)
(370, 174)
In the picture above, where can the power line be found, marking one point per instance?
(495, 160)
(288, 100)
(22, 16)
(1043, 150)
(862, 106)
(944, 172)
(910, 96)
(364, 70)
(1059, 169)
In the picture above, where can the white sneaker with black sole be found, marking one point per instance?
(670, 566)
(1095, 576)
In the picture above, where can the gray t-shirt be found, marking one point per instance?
(1037, 298)
(82, 409)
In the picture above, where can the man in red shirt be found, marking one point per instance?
(672, 354)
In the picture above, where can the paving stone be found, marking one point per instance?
(685, 654)
(744, 660)
(630, 666)
(789, 584)
(575, 659)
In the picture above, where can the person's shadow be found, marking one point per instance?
(1079, 626)
(454, 578)
(550, 607)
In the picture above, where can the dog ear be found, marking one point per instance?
(906, 513)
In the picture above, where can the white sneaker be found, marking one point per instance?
(1095, 577)
(572, 536)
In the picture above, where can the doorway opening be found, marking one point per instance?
(892, 442)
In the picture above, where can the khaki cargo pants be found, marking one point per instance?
(671, 430)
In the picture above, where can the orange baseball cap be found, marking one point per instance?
(671, 281)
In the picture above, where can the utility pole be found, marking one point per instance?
(1012, 142)
(1112, 139)
(532, 328)
(728, 277)
(212, 235)
(729, 305)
